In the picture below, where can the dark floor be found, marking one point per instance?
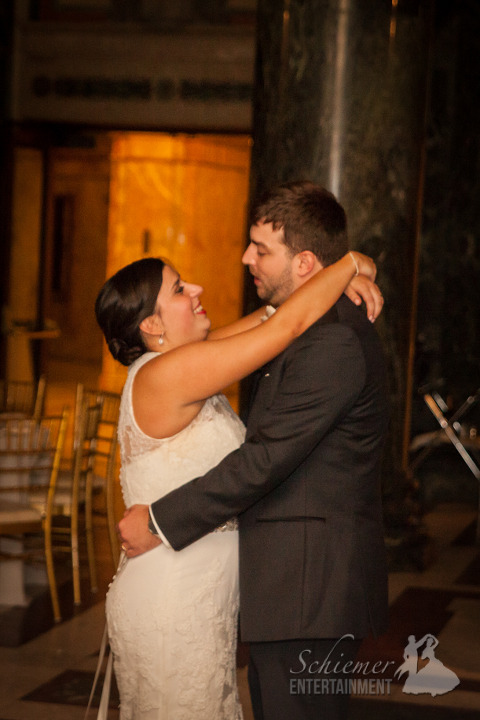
(50, 675)
(46, 670)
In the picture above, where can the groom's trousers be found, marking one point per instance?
(298, 679)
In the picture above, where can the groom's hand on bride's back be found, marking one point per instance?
(133, 532)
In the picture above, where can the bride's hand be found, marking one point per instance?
(364, 264)
(361, 288)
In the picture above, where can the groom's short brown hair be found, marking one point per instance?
(310, 216)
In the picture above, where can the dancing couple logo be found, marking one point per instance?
(425, 674)
(433, 677)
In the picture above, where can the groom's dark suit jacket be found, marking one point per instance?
(305, 486)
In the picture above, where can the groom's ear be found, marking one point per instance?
(305, 262)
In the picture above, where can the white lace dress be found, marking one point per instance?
(172, 616)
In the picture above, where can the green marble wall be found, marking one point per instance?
(340, 99)
(380, 104)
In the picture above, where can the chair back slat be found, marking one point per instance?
(88, 420)
(24, 397)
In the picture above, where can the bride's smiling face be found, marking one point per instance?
(180, 311)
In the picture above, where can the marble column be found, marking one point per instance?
(340, 98)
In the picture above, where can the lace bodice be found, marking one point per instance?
(150, 467)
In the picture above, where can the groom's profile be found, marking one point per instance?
(305, 485)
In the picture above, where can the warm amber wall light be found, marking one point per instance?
(183, 198)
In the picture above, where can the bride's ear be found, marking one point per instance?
(152, 325)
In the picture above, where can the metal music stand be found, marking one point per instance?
(451, 430)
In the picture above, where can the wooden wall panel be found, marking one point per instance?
(183, 198)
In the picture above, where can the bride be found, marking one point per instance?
(172, 616)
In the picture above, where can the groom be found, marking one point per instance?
(304, 485)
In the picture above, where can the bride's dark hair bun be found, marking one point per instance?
(122, 352)
(126, 299)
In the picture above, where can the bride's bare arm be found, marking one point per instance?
(241, 325)
(362, 288)
(168, 389)
(358, 289)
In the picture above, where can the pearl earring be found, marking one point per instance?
(160, 339)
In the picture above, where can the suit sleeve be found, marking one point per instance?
(321, 378)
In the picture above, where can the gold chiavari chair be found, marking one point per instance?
(73, 495)
(107, 461)
(30, 456)
(101, 479)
